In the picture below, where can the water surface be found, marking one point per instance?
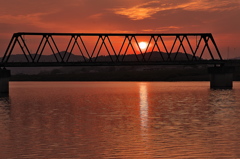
(119, 120)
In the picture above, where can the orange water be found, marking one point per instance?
(119, 120)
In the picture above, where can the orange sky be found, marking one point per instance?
(220, 17)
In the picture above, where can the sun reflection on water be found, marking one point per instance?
(143, 93)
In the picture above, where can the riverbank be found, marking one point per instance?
(119, 75)
(178, 73)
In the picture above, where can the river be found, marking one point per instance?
(119, 120)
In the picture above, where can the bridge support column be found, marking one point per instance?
(221, 77)
(4, 80)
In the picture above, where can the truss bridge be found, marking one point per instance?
(27, 49)
(100, 49)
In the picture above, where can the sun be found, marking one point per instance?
(143, 45)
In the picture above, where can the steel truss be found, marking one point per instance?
(155, 44)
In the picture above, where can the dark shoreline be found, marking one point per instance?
(116, 76)
(122, 74)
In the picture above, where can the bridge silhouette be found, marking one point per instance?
(93, 49)
(28, 49)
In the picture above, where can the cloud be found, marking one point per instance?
(139, 12)
(147, 10)
(96, 16)
(36, 20)
(16, 19)
(207, 5)
(163, 29)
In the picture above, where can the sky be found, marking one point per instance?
(219, 17)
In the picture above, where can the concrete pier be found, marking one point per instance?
(221, 77)
(4, 80)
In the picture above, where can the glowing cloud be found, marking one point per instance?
(31, 19)
(146, 10)
(138, 12)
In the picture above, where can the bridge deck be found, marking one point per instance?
(56, 64)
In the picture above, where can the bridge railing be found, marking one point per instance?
(90, 48)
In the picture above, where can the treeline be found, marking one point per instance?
(131, 73)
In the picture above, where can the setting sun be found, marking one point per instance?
(143, 45)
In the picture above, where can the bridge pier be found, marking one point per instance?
(221, 77)
(4, 81)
